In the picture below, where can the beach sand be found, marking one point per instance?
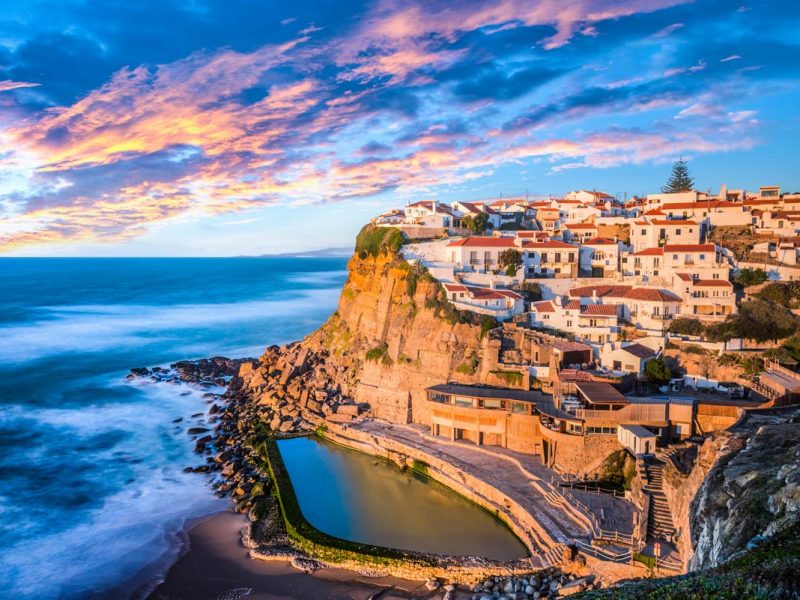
(217, 567)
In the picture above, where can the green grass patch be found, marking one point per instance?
(377, 353)
(373, 241)
(508, 377)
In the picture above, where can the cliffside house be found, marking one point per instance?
(498, 303)
(430, 213)
(593, 322)
(705, 298)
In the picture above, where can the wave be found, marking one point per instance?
(98, 328)
(131, 524)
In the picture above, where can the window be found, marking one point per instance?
(519, 408)
(569, 323)
(602, 430)
(677, 232)
(674, 257)
(557, 258)
(487, 258)
(544, 257)
(492, 403)
(473, 257)
(464, 402)
(702, 257)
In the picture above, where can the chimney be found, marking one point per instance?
(433, 205)
(492, 284)
(723, 192)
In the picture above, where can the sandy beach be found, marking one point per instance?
(217, 566)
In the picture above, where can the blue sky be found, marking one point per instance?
(245, 127)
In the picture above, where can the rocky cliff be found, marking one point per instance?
(394, 334)
(744, 486)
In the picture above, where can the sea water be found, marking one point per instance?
(92, 490)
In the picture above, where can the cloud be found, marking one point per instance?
(404, 97)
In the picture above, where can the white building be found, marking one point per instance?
(600, 257)
(652, 233)
(499, 303)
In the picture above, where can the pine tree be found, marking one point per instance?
(680, 180)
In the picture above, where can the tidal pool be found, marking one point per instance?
(360, 498)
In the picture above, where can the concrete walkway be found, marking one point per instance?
(521, 477)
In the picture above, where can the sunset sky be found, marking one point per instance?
(244, 127)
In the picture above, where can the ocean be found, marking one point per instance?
(92, 490)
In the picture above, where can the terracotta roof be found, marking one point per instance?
(650, 252)
(455, 287)
(701, 204)
(713, 283)
(640, 351)
(675, 222)
(655, 212)
(486, 242)
(600, 310)
(598, 241)
(609, 291)
(581, 226)
(567, 346)
(689, 248)
(545, 306)
(684, 276)
(429, 205)
(573, 305)
(652, 295)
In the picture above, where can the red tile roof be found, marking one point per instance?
(545, 306)
(650, 252)
(673, 222)
(598, 241)
(685, 276)
(581, 226)
(573, 305)
(713, 283)
(599, 310)
(689, 248)
(652, 295)
(486, 242)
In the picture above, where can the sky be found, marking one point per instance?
(218, 128)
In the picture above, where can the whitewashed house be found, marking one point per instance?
(652, 233)
(499, 303)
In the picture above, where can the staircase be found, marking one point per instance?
(659, 518)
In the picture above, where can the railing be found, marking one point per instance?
(632, 413)
(595, 489)
(596, 528)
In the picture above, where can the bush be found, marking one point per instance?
(693, 349)
(686, 326)
(657, 372)
(414, 275)
(748, 277)
(373, 241)
(477, 224)
(377, 353)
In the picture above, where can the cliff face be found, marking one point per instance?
(394, 335)
(745, 484)
(752, 490)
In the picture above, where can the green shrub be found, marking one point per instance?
(373, 241)
(511, 378)
(748, 277)
(377, 353)
(487, 324)
(686, 326)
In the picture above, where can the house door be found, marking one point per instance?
(597, 271)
